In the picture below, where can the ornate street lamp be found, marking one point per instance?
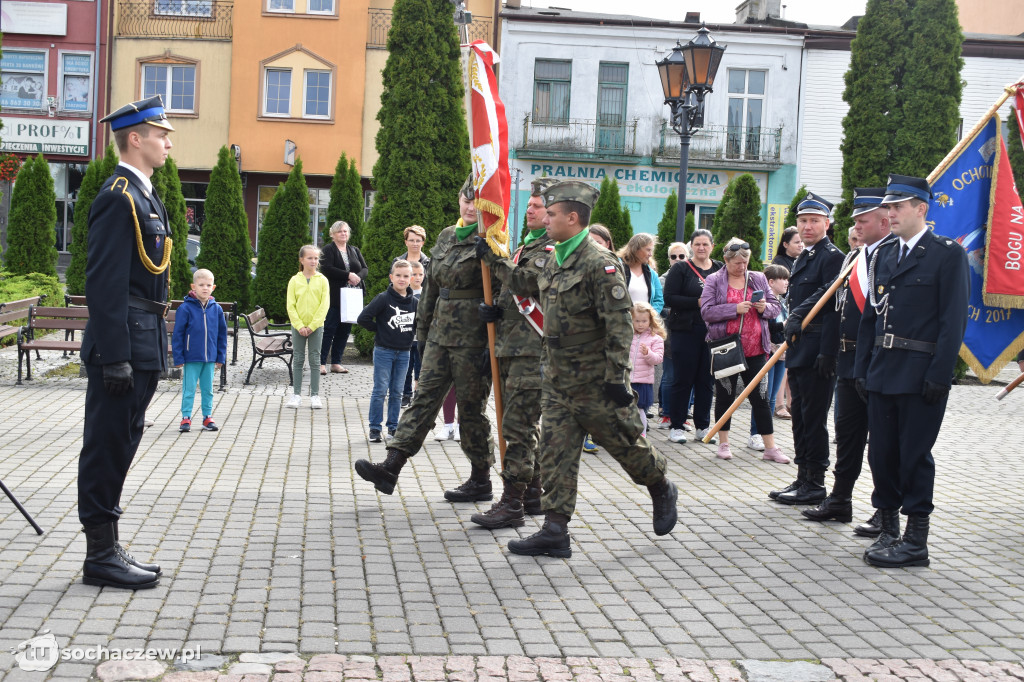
(687, 74)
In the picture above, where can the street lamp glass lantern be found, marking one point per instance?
(674, 81)
(702, 56)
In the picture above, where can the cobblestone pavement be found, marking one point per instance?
(279, 566)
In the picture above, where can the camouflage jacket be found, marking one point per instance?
(453, 290)
(516, 336)
(587, 326)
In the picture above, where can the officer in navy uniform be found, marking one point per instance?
(909, 338)
(811, 365)
(124, 347)
(871, 227)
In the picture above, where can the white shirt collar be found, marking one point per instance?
(139, 174)
(912, 242)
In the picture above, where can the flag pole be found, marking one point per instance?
(1009, 387)
(749, 388)
(485, 270)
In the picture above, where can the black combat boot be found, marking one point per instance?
(552, 539)
(912, 550)
(870, 528)
(383, 476)
(838, 506)
(152, 568)
(104, 565)
(800, 475)
(811, 491)
(889, 533)
(507, 512)
(476, 489)
(531, 500)
(664, 495)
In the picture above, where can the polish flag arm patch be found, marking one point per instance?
(609, 269)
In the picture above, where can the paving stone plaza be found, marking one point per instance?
(279, 566)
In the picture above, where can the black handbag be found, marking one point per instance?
(727, 356)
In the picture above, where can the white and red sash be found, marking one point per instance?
(859, 281)
(529, 306)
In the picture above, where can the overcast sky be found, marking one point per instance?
(822, 12)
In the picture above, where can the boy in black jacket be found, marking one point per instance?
(391, 316)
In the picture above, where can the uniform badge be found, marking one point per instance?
(549, 247)
(541, 262)
(618, 292)
(881, 288)
(609, 269)
(159, 241)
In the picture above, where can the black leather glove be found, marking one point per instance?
(825, 366)
(933, 392)
(490, 313)
(118, 378)
(792, 330)
(483, 363)
(618, 394)
(483, 249)
(861, 386)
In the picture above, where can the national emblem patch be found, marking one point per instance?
(609, 269)
(618, 292)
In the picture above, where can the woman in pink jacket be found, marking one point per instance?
(647, 350)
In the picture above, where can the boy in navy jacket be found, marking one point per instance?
(200, 343)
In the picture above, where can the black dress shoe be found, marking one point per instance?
(788, 489)
(870, 528)
(152, 568)
(832, 508)
(105, 567)
(808, 493)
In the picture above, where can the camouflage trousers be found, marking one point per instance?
(566, 419)
(442, 366)
(520, 421)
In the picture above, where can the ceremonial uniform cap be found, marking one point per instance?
(468, 190)
(866, 199)
(903, 187)
(571, 190)
(814, 205)
(539, 185)
(149, 111)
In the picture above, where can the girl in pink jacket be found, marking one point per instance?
(646, 351)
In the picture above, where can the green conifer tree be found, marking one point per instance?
(31, 227)
(335, 208)
(167, 185)
(742, 218)
(353, 205)
(423, 144)
(689, 225)
(790, 220)
(225, 249)
(285, 230)
(1015, 151)
(667, 229)
(608, 211)
(96, 174)
(723, 203)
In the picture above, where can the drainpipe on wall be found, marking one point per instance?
(96, 78)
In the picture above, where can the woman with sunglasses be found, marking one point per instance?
(732, 295)
(691, 357)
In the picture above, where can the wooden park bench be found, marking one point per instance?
(267, 343)
(15, 311)
(44, 319)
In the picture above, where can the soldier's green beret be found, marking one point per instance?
(571, 190)
(538, 185)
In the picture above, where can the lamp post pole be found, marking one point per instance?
(684, 163)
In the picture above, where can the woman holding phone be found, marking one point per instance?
(730, 295)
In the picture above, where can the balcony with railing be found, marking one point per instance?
(187, 19)
(578, 139)
(379, 26)
(746, 147)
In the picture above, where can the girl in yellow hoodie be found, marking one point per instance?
(309, 297)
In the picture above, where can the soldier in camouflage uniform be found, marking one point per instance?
(455, 351)
(585, 386)
(518, 349)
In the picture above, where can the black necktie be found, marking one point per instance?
(903, 253)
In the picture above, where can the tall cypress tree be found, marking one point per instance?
(225, 249)
(423, 143)
(667, 229)
(96, 174)
(285, 230)
(790, 220)
(741, 218)
(335, 211)
(609, 212)
(1015, 151)
(353, 203)
(31, 227)
(168, 187)
(932, 88)
(689, 225)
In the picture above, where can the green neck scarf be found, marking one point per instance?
(463, 231)
(564, 249)
(534, 235)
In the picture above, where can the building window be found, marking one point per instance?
(318, 94)
(612, 81)
(75, 82)
(281, 5)
(67, 179)
(195, 205)
(188, 8)
(23, 77)
(278, 97)
(551, 81)
(368, 196)
(746, 105)
(176, 83)
(321, 6)
(312, 7)
(318, 201)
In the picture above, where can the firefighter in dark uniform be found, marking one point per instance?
(871, 227)
(520, 323)
(910, 335)
(811, 365)
(124, 347)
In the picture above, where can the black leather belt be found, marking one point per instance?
(148, 306)
(461, 293)
(575, 339)
(890, 341)
(847, 344)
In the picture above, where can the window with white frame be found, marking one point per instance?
(277, 92)
(321, 6)
(281, 5)
(75, 82)
(187, 8)
(551, 83)
(176, 83)
(23, 77)
(312, 6)
(746, 108)
(317, 100)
